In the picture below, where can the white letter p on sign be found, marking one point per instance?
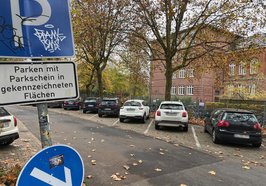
(19, 21)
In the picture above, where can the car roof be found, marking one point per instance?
(172, 102)
(137, 100)
(235, 110)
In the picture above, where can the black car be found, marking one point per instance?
(109, 107)
(235, 126)
(75, 104)
(91, 104)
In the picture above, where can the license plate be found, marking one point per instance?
(170, 113)
(90, 105)
(130, 109)
(241, 136)
(4, 125)
(107, 109)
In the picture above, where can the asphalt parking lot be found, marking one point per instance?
(194, 138)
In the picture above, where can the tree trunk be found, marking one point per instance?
(99, 81)
(168, 78)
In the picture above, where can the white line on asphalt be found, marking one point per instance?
(115, 122)
(148, 128)
(195, 137)
(93, 116)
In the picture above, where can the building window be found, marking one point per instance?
(232, 69)
(190, 73)
(252, 89)
(242, 69)
(230, 90)
(173, 90)
(181, 90)
(181, 74)
(254, 66)
(174, 76)
(190, 90)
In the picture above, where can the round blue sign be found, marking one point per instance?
(58, 165)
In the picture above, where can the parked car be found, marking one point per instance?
(91, 104)
(234, 125)
(109, 107)
(75, 104)
(55, 104)
(8, 127)
(134, 109)
(171, 114)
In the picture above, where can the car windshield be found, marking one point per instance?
(108, 102)
(90, 101)
(132, 103)
(3, 112)
(172, 106)
(234, 117)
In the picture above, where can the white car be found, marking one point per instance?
(8, 127)
(134, 109)
(171, 114)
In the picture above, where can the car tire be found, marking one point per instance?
(84, 112)
(214, 137)
(6, 143)
(143, 120)
(256, 145)
(100, 115)
(185, 129)
(157, 127)
(121, 120)
(205, 129)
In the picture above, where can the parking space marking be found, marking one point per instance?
(115, 122)
(148, 128)
(195, 137)
(93, 116)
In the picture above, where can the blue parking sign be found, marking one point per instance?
(58, 165)
(36, 29)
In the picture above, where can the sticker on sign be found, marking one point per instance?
(27, 82)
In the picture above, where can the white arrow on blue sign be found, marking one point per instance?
(36, 29)
(58, 165)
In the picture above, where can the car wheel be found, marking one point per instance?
(214, 137)
(84, 112)
(5, 143)
(256, 144)
(100, 115)
(185, 128)
(157, 127)
(205, 129)
(121, 120)
(143, 120)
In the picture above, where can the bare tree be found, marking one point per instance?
(183, 32)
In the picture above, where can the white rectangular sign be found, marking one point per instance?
(37, 81)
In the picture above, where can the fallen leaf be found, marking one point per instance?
(132, 145)
(93, 150)
(89, 177)
(89, 156)
(158, 170)
(126, 167)
(246, 167)
(212, 173)
(183, 184)
(102, 140)
(116, 178)
(135, 164)
(132, 155)
(140, 161)
(161, 153)
(93, 162)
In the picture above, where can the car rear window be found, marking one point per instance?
(132, 103)
(108, 102)
(90, 101)
(3, 112)
(172, 106)
(236, 117)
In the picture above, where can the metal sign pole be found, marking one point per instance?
(44, 125)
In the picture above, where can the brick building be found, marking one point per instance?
(240, 78)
